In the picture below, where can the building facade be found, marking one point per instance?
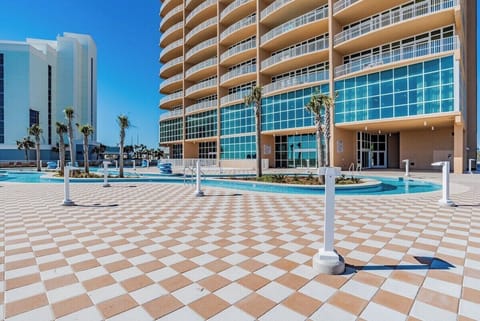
(38, 80)
(403, 72)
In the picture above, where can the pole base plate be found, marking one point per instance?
(331, 263)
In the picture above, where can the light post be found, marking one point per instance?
(105, 174)
(198, 191)
(66, 187)
(407, 167)
(470, 161)
(445, 200)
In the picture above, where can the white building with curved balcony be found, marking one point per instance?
(403, 73)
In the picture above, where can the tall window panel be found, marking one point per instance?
(207, 150)
(202, 125)
(171, 130)
(34, 117)
(418, 89)
(238, 147)
(237, 119)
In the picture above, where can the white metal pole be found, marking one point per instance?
(407, 167)
(66, 187)
(105, 174)
(198, 191)
(445, 201)
(470, 161)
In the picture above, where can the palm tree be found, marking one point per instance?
(315, 107)
(69, 115)
(61, 129)
(124, 124)
(86, 131)
(26, 144)
(328, 103)
(36, 131)
(255, 98)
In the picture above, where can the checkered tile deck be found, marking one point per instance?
(156, 252)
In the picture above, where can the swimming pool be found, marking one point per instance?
(384, 185)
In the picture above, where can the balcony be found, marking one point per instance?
(239, 75)
(171, 68)
(172, 51)
(171, 114)
(205, 10)
(393, 25)
(234, 98)
(205, 30)
(201, 89)
(203, 106)
(239, 30)
(171, 100)
(238, 8)
(192, 4)
(168, 5)
(171, 18)
(202, 51)
(415, 51)
(173, 33)
(296, 30)
(297, 81)
(280, 11)
(202, 70)
(171, 84)
(297, 57)
(240, 52)
(348, 11)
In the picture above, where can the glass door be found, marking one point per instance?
(378, 147)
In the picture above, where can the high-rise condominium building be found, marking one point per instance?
(404, 73)
(38, 80)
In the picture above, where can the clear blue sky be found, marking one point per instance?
(126, 34)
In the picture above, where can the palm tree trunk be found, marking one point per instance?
(258, 126)
(85, 153)
(37, 151)
(71, 147)
(121, 160)
(61, 147)
(26, 154)
(321, 178)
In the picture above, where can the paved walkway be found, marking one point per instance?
(155, 252)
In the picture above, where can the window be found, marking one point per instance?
(34, 117)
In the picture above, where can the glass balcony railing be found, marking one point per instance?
(171, 46)
(202, 6)
(171, 114)
(231, 7)
(171, 80)
(272, 7)
(244, 46)
(394, 16)
(201, 65)
(318, 45)
(172, 29)
(207, 23)
(176, 10)
(202, 85)
(342, 4)
(295, 81)
(317, 14)
(171, 97)
(242, 70)
(239, 95)
(242, 23)
(202, 45)
(171, 63)
(402, 53)
(203, 105)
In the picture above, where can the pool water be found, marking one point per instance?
(388, 186)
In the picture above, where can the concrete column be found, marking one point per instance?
(458, 148)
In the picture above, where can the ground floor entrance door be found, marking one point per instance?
(371, 150)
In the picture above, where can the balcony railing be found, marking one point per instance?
(177, 9)
(318, 45)
(164, 4)
(204, 64)
(244, 46)
(202, 6)
(242, 70)
(295, 81)
(171, 46)
(171, 63)
(171, 80)
(172, 29)
(416, 10)
(239, 95)
(201, 85)
(202, 26)
(402, 53)
(171, 114)
(232, 6)
(272, 7)
(342, 4)
(317, 14)
(202, 45)
(238, 25)
(171, 97)
(203, 105)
